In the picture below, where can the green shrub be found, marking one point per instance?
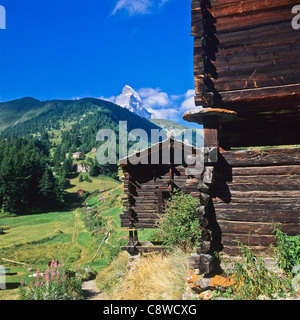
(94, 222)
(86, 273)
(254, 279)
(87, 178)
(180, 222)
(287, 250)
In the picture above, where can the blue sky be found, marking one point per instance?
(62, 49)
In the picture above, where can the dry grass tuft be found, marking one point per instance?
(154, 277)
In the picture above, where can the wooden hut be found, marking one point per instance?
(150, 178)
(246, 67)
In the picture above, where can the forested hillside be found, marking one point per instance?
(26, 180)
(36, 159)
(19, 110)
(72, 126)
(79, 121)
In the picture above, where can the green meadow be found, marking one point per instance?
(36, 239)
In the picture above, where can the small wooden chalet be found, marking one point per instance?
(80, 192)
(78, 155)
(148, 186)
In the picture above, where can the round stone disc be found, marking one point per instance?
(204, 115)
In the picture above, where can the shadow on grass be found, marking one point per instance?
(73, 200)
(12, 285)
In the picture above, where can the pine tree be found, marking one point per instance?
(94, 170)
(87, 178)
(68, 165)
(48, 185)
(63, 181)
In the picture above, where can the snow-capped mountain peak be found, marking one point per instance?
(131, 100)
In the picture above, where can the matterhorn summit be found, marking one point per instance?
(131, 100)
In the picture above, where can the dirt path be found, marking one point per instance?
(91, 292)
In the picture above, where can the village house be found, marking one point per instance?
(78, 155)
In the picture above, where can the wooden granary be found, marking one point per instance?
(148, 186)
(247, 83)
(246, 67)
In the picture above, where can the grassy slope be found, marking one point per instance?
(17, 111)
(99, 183)
(32, 239)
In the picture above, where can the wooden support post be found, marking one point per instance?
(211, 135)
(204, 260)
(160, 202)
(130, 241)
(136, 239)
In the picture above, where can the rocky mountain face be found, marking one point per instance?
(131, 100)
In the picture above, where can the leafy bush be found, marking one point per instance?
(254, 279)
(57, 283)
(86, 273)
(287, 250)
(94, 222)
(87, 178)
(180, 222)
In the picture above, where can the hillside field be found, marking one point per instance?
(36, 239)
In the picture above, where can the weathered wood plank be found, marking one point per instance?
(247, 239)
(261, 199)
(261, 183)
(257, 171)
(257, 215)
(125, 224)
(240, 227)
(245, 158)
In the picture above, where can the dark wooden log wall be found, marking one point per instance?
(253, 191)
(257, 45)
(251, 63)
(147, 188)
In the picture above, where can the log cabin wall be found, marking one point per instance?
(246, 59)
(147, 187)
(247, 53)
(253, 191)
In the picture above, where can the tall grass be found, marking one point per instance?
(154, 277)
